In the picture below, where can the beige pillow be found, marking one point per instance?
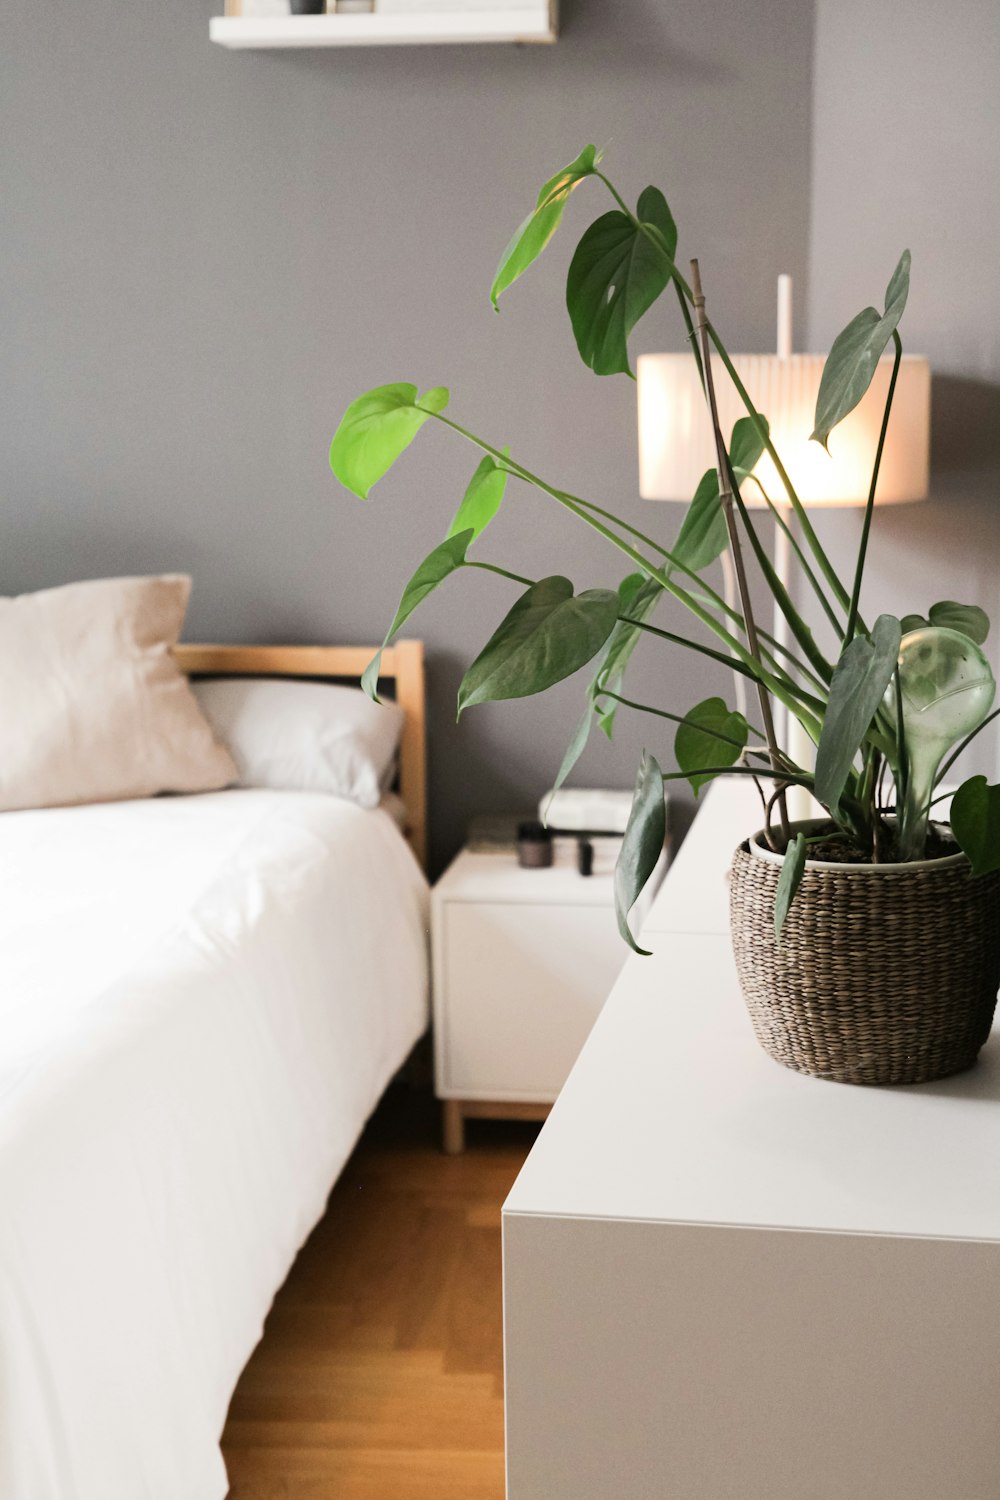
(93, 707)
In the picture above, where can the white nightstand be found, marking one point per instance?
(523, 962)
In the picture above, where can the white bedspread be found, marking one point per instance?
(201, 1000)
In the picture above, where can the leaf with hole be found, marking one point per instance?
(434, 569)
(531, 237)
(548, 635)
(789, 879)
(975, 822)
(376, 428)
(642, 845)
(482, 499)
(855, 353)
(615, 276)
(710, 735)
(859, 681)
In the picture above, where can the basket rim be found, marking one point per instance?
(771, 857)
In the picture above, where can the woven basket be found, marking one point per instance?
(883, 974)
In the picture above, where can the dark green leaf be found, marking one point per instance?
(859, 681)
(482, 499)
(375, 430)
(575, 748)
(975, 822)
(967, 619)
(855, 353)
(710, 735)
(638, 595)
(531, 237)
(642, 845)
(436, 566)
(703, 535)
(792, 868)
(549, 634)
(912, 622)
(746, 446)
(615, 275)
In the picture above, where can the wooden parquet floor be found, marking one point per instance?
(380, 1374)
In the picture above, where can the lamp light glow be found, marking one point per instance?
(675, 435)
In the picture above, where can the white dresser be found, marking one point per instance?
(725, 1281)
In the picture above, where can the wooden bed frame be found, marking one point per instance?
(402, 663)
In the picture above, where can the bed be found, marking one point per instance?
(201, 1001)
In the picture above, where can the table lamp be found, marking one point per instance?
(676, 444)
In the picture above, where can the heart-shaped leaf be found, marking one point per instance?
(859, 681)
(790, 878)
(975, 822)
(548, 635)
(710, 735)
(531, 237)
(967, 619)
(616, 274)
(642, 845)
(912, 622)
(376, 428)
(434, 569)
(482, 499)
(855, 353)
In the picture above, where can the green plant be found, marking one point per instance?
(862, 711)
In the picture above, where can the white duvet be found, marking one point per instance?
(201, 1000)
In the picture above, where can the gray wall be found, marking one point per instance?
(906, 151)
(206, 255)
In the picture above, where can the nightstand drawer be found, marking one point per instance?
(524, 985)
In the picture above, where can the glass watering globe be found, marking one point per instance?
(947, 689)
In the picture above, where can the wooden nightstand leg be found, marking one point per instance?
(452, 1127)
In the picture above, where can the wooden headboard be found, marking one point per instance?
(402, 663)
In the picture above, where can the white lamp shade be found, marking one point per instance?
(675, 434)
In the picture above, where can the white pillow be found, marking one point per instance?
(304, 736)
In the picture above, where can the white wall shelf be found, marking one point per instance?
(534, 21)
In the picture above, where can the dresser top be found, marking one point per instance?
(674, 1114)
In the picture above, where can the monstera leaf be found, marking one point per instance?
(549, 634)
(859, 681)
(531, 237)
(482, 499)
(616, 274)
(642, 845)
(376, 429)
(856, 352)
(710, 735)
(434, 569)
(789, 879)
(975, 822)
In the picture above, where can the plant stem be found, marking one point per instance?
(661, 713)
(503, 572)
(757, 670)
(852, 614)
(655, 237)
(793, 542)
(943, 770)
(725, 490)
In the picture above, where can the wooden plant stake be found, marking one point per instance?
(726, 493)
